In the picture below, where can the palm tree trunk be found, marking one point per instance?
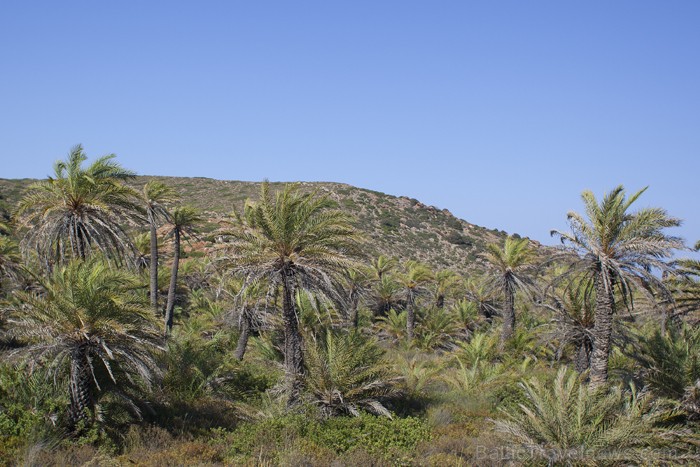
(582, 361)
(602, 331)
(293, 356)
(154, 263)
(173, 282)
(508, 314)
(410, 319)
(243, 337)
(440, 301)
(81, 401)
(354, 315)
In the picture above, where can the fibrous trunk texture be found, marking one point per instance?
(81, 401)
(293, 356)
(154, 264)
(242, 344)
(508, 314)
(410, 319)
(582, 360)
(602, 331)
(173, 282)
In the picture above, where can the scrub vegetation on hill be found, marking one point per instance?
(174, 321)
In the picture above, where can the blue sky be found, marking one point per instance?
(502, 112)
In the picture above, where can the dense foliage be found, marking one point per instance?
(277, 338)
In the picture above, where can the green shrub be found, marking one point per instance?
(377, 436)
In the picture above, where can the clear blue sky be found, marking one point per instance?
(502, 112)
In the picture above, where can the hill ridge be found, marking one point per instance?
(398, 226)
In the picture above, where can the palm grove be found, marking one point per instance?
(279, 326)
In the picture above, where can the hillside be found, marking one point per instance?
(397, 226)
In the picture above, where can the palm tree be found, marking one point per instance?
(574, 311)
(616, 246)
(295, 240)
(10, 259)
(183, 220)
(446, 283)
(382, 265)
(563, 422)
(154, 196)
(511, 263)
(79, 209)
(252, 299)
(385, 295)
(93, 318)
(413, 281)
(479, 292)
(686, 289)
(357, 282)
(347, 373)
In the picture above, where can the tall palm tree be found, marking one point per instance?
(90, 322)
(510, 263)
(296, 240)
(183, 222)
(414, 282)
(79, 209)
(154, 197)
(617, 246)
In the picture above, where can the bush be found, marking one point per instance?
(377, 436)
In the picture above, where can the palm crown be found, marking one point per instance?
(79, 209)
(91, 316)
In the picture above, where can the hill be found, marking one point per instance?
(396, 226)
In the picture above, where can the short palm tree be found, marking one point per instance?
(438, 329)
(90, 322)
(347, 373)
(564, 422)
(446, 283)
(479, 292)
(299, 241)
(183, 222)
(686, 289)
(669, 364)
(414, 282)
(510, 263)
(155, 196)
(574, 309)
(382, 265)
(252, 300)
(616, 246)
(356, 287)
(385, 295)
(79, 209)
(10, 259)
